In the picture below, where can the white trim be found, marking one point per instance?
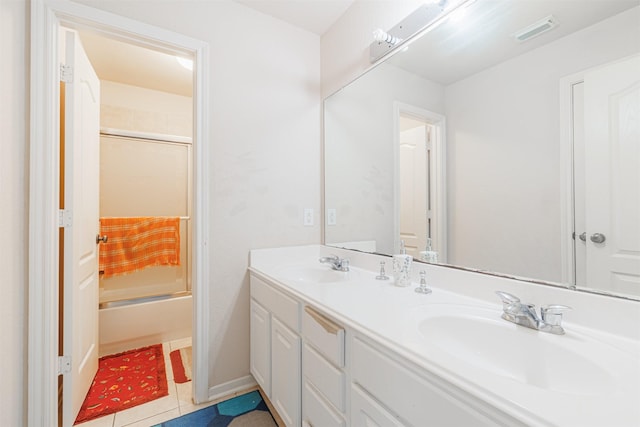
(438, 174)
(124, 133)
(46, 17)
(231, 387)
(567, 255)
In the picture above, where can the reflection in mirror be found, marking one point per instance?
(536, 172)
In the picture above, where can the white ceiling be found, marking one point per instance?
(136, 66)
(483, 36)
(316, 16)
(133, 65)
(454, 50)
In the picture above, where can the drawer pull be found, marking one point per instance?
(327, 324)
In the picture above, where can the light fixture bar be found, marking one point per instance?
(422, 19)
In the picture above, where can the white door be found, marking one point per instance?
(414, 188)
(612, 167)
(81, 198)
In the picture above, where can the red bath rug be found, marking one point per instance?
(181, 364)
(125, 380)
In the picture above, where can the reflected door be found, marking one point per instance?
(414, 186)
(612, 176)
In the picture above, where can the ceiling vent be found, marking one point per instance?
(536, 29)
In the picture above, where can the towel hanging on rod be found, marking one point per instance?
(135, 243)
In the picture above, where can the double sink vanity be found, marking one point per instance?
(341, 348)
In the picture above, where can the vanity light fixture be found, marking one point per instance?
(537, 28)
(426, 17)
(383, 37)
(184, 62)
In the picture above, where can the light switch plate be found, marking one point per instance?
(308, 217)
(331, 216)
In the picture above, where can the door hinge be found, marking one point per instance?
(64, 365)
(66, 73)
(65, 218)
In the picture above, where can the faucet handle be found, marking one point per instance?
(552, 314)
(508, 300)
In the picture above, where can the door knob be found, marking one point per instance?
(597, 238)
(102, 239)
(583, 236)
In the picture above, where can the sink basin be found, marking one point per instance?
(316, 274)
(479, 338)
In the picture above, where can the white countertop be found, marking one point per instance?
(606, 393)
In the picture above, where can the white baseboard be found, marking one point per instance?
(231, 387)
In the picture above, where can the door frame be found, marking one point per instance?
(567, 205)
(438, 174)
(44, 166)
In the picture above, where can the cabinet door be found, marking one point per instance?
(261, 346)
(286, 376)
(366, 412)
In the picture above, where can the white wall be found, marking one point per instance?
(359, 152)
(265, 109)
(265, 126)
(503, 156)
(13, 219)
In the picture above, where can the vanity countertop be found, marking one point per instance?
(587, 377)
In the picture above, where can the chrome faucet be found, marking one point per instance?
(550, 319)
(336, 263)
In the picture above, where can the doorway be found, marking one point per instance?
(144, 176)
(47, 18)
(420, 190)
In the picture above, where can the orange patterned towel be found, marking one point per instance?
(138, 242)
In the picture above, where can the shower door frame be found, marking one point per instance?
(47, 16)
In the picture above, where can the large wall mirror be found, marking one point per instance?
(506, 138)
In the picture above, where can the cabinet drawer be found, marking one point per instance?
(316, 412)
(367, 412)
(414, 398)
(280, 305)
(328, 379)
(325, 335)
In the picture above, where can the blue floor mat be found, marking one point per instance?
(224, 413)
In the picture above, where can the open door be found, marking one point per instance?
(415, 215)
(612, 170)
(81, 225)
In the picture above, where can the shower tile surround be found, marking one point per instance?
(610, 321)
(144, 110)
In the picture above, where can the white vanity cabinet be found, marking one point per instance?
(318, 373)
(388, 390)
(275, 348)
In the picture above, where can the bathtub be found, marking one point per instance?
(144, 323)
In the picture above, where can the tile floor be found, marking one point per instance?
(177, 403)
